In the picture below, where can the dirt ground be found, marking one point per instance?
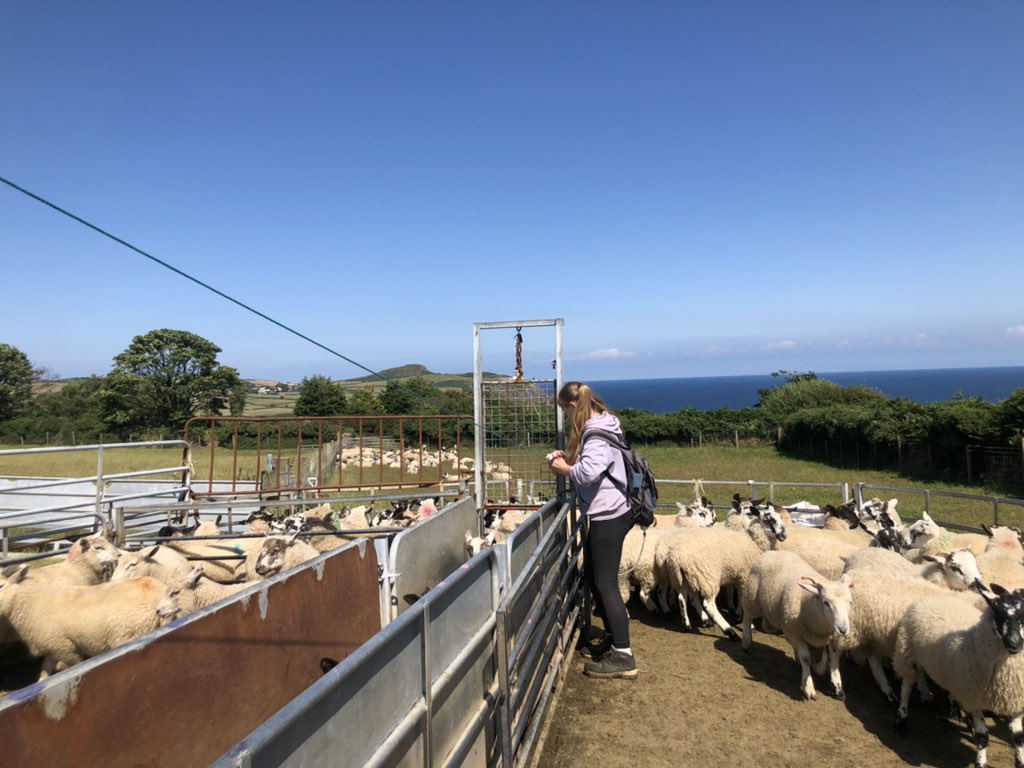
(700, 700)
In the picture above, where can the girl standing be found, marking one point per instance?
(590, 467)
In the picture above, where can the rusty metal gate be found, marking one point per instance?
(312, 456)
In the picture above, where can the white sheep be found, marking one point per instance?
(475, 544)
(506, 522)
(700, 564)
(208, 528)
(66, 623)
(809, 610)
(636, 566)
(275, 554)
(330, 527)
(824, 550)
(160, 562)
(928, 537)
(952, 641)
(883, 596)
(90, 560)
(998, 567)
(699, 514)
(956, 570)
(194, 590)
(226, 556)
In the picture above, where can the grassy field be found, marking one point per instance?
(276, 404)
(723, 472)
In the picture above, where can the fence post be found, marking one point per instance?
(967, 452)
(700, 438)
(736, 437)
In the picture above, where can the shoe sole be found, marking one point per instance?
(628, 675)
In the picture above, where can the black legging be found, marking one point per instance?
(604, 553)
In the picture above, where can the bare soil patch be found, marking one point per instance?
(700, 700)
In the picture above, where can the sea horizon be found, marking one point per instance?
(708, 393)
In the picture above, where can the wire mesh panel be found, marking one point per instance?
(520, 426)
(517, 422)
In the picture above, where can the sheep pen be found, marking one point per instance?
(719, 706)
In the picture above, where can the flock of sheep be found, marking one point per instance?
(99, 597)
(924, 602)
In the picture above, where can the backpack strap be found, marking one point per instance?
(612, 439)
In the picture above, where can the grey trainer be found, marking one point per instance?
(596, 650)
(613, 664)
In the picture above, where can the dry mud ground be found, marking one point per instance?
(700, 700)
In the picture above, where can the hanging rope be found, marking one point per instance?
(519, 353)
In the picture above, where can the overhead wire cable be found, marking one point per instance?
(216, 291)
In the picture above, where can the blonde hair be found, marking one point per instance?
(588, 404)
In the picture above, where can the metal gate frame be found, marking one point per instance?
(478, 414)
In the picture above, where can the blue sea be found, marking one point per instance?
(709, 393)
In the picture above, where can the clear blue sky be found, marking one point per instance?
(697, 188)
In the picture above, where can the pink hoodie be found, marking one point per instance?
(598, 495)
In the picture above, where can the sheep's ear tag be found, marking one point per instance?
(336, 518)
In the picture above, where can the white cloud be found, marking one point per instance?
(1015, 330)
(607, 354)
(779, 346)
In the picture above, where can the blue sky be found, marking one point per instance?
(697, 188)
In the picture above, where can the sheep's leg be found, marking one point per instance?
(645, 598)
(833, 673)
(875, 665)
(803, 655)
(822, 663)
(980, 729)
(712, 609)
(922, 686)
(1017, 739)
(682, 595)
(695, 602)
(663, 598)
(903, 710)
(748, 630)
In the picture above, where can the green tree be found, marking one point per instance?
(319, 396)
(412, 396)
(163, 379)
(364, 402)
(16, 377)
(1010, 415)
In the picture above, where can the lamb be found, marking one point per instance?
(956, 570)
(66, 624)
(194, 590)
(226, 556)
(506, 522)
(701, 563)
(882, 512)
(822, 549)
(90, 560)
(162, 563)
(275, 554)
(809, 610)
(1001, 568)
(883, 597)
(321, 520)
(208, 527)
(928, 537)
(842, 517)
(699, 514)
(636, 566)
(952, 641)
(476, 543)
